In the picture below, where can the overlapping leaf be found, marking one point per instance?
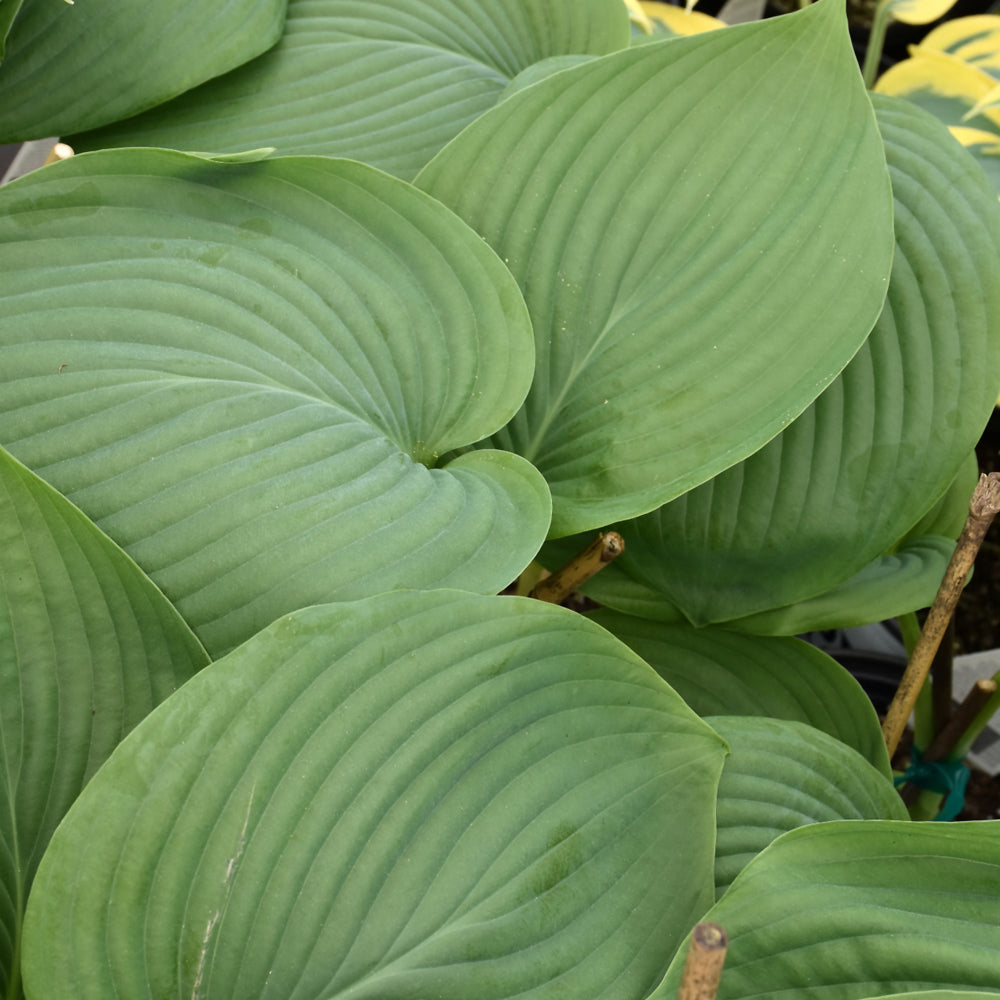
(87, 647)
(417, 794)
(726, 673)
(386, 82)
(246, 373)
(852, 910)
(781, 775)
(71, 66)
(854, 473)
(890, 586)
(701, 228)
(985, 147)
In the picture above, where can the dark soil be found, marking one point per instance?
(982, 797)
(977, 618)
(977, 621)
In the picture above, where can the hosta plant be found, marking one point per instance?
(301, 369)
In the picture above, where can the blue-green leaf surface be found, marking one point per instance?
(677, 215)
(415, 795)
(851, 910)
(892, 585)
(718, 672)
(388, 82)
(854, 474)
(781, 775)
(88, 646)
(69, 66)
(247, 375)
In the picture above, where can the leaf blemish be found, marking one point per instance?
(227, 884)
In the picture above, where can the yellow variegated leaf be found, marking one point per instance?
(974, 40)
(987, 142)
(918, 11)
(681, 21)
(992, 99)
(942, 84)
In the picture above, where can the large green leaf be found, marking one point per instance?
(677, 216)
(87, 647)
(781, 775)
(419, 794)
(851, 910)
(388, 82)
(727, 673)
(246, 373)
(891, 585)
(861, 466)
(70, 66)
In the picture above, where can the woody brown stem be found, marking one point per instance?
(556, 588)
(963, 717)
(945, 742)
(983, 507)
(703, 966)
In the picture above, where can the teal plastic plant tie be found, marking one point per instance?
(947, 778)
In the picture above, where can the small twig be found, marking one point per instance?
(963, 717)
(974, 730)
(948, 739)
(703, 966)
(556, 588)
(983, 507)
(60, 151)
